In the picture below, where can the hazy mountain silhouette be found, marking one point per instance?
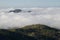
(16, 10)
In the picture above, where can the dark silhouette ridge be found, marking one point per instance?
(40, 31)
(16, 10)
(30, 32)
(8, 35)
(29, 11)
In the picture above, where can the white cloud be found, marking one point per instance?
(47, 16)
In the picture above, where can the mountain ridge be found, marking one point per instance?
(36, 32)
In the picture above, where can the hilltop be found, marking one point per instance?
(31, 32)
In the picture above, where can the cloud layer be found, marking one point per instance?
(46, 16)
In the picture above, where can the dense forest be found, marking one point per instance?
(30, 32)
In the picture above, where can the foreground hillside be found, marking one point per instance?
(31, 32)
(8, 35)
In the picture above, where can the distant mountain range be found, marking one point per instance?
(17, 11)
(30, 32)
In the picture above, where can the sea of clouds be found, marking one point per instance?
(46, 16)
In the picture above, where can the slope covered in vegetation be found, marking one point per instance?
(31, 32)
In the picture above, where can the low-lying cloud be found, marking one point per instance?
(46, 16)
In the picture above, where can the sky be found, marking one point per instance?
(29, 3)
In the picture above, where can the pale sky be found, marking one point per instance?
(29, 3)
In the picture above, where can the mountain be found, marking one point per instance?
(31, 32)
(39, 31)
(19, 10)
(16, 10)
(8, 35)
